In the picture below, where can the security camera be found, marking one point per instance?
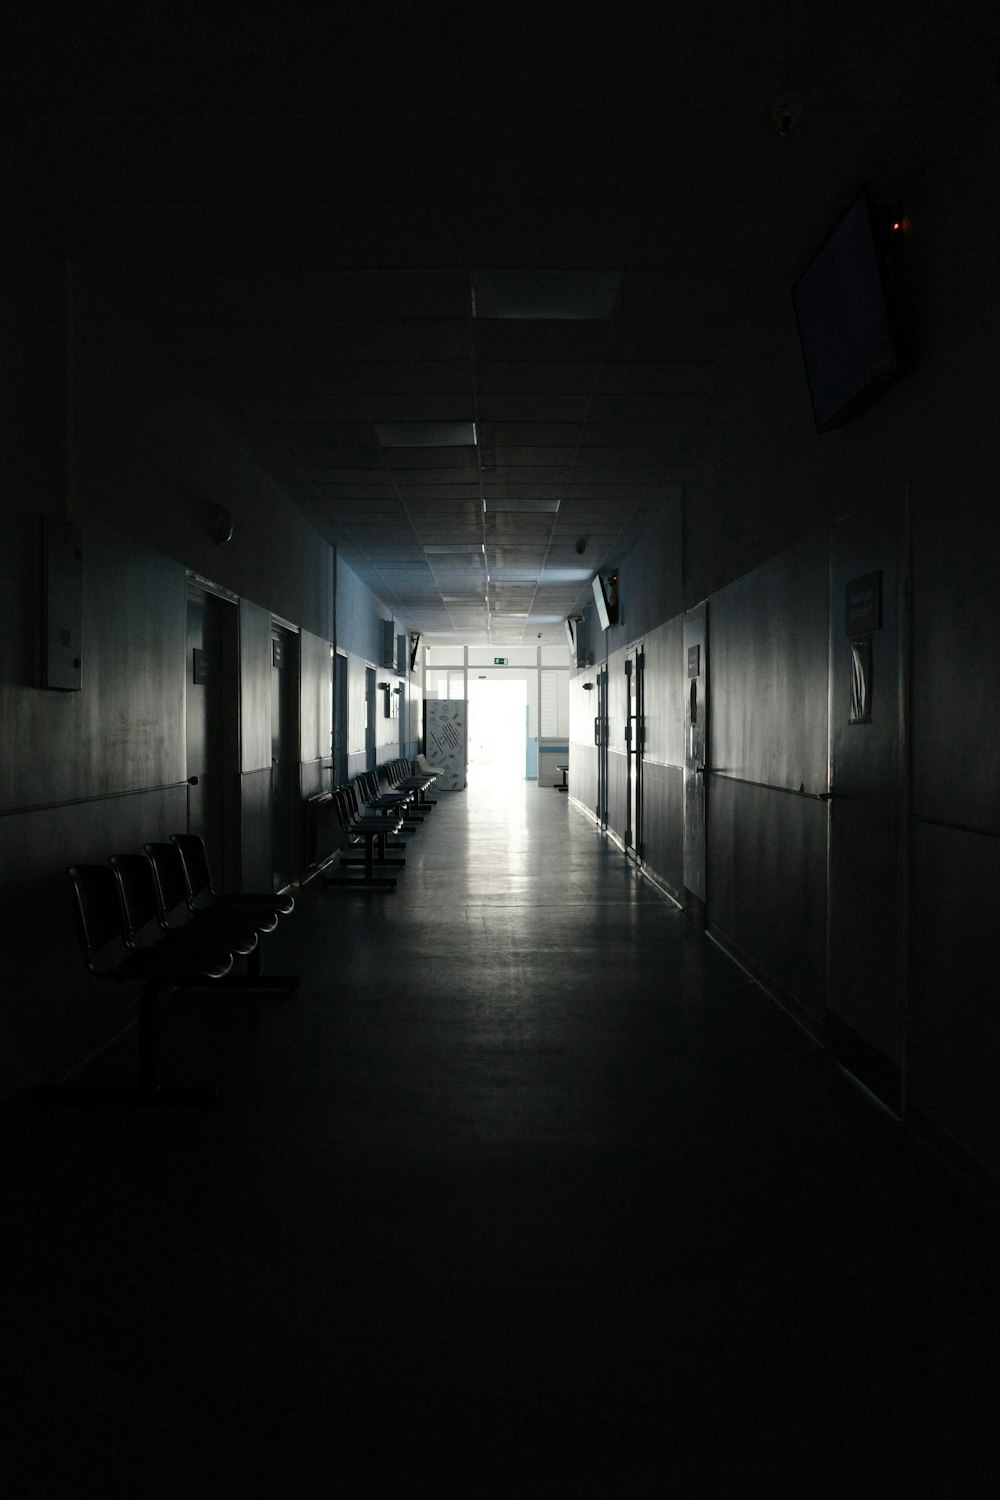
(787, 115)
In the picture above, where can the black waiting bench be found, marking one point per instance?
(154, 918)
(372, 811)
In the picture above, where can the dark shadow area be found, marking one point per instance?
(562, 1204)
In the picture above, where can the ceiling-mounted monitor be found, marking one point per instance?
(844, 315)
(606, 598)
(576, 635)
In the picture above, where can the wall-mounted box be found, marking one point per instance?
(61, 605)
(388, 643)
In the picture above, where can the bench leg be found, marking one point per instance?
(149, 1037)
(369, 878)
(253, 979)
(148, 1093)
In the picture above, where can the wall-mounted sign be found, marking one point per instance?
(202, 666)
(694, 661)
(499, 661)
(863, 605)
(861, 680)
(277, 652)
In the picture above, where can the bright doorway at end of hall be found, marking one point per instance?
(498, 728)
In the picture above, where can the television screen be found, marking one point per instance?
(606, 599)
(843, 317)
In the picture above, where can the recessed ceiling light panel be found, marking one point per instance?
(544, 294)
(524, 505)
(455, 549)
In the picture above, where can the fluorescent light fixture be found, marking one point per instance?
(565, 575)
(454, 549)
(426, 434)
(544, 294)
(528, 505)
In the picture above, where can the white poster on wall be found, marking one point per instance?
(446, 741)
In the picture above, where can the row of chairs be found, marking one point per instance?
(155, 918)
(373, 811)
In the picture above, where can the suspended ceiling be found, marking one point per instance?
(476, 285)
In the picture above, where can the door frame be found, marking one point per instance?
(341, 717)
(635, 735)
(695, 668)
(226, 606)
(371, 725)
(286, 810)
(601, 728)
(867, 929)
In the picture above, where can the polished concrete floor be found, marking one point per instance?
(526, 1192)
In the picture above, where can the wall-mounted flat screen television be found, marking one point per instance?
(606, 599)
(845, 318)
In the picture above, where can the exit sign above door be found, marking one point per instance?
(499, 661)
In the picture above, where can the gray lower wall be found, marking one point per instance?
(921, 1008)
(953, 1035)
(85, 774)
(663, 823)
(766, 892)
(52, 1012)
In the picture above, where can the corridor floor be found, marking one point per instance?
(527, 1192)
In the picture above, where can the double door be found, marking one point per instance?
(634, 744)
(601, 742)
(622, 696)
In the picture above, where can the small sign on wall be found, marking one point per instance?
(863, 605)
(202, 666)
(694, 661)
(277, 652)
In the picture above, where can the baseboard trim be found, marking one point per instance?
(879, 1075)
(979, 1179)
(793, 1008)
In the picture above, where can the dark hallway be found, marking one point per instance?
(561, 1205)
(640, 358)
